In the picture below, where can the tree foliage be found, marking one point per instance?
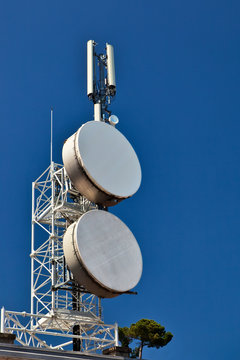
(124, 337)
(148, 333)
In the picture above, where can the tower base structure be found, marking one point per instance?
(15, 352)
(63, 314)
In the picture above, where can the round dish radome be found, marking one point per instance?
(103, 254)
(101, 163)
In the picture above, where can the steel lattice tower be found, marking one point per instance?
(59, 307)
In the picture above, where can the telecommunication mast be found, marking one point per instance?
(80, 251)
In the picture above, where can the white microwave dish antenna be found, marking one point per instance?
(101, 163)
(103, 254)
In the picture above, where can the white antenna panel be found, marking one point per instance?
(90, 68)
(111, 68)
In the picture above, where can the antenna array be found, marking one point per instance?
(101, 80)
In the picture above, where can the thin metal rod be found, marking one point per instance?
(32, 248)
(51, 144)
(99, 308)
(53, 275)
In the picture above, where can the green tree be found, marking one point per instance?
(148, 332)
(123, 334)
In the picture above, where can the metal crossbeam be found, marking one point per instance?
(58, 325)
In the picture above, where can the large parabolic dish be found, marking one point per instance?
(103, 254)
(101, 163)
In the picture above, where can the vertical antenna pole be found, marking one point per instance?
(2, 320)
(52, 237)
(98, 111)
(116, 335)
(51, 142)
(32, 249)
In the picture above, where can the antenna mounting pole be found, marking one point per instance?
(101, 82)
(51, 141)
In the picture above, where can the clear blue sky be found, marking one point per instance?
(178, 76)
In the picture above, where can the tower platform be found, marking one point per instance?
(16, 352)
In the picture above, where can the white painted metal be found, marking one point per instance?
(58, 302)
(90, 67)
(2, 320)
(103, 254)
(51, 142)
(116, 335)
(52, 312)
(52, 211)
(110, 66)
(101, 163)
(97, 112)
(101, 80)
(54, 327)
